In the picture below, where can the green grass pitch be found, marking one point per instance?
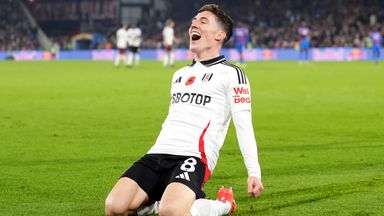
(68, 129)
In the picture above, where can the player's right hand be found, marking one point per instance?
(255, 187)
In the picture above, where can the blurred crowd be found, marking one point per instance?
(332, 23)
(15, 32)
(272, 23)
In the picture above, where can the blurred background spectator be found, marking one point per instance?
(91, 24)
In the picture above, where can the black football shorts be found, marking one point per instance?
(134, 49)
(153, 172)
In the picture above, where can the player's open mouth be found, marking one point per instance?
(195, 35)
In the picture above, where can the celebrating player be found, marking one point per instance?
(168, 39)
(376, 39)
(304, 43)
(134, 41)
(241, 40)
(121, 43)
(204, 97)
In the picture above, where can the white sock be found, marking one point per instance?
(148, 210)
(124, 57)
(171, 58)
(129, 59)
(205, 207)
(117, 60)
(137, 58)
(165, 60)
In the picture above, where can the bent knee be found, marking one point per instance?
(115, 208)
(171, 210)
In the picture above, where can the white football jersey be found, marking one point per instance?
(134, 37)
(204, 95)
(121, 38)
(168, 35)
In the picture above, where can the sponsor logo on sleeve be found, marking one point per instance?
(241, 95)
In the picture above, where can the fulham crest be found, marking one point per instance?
(207, 77)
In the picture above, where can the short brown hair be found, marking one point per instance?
(169, 22)
(223, 18)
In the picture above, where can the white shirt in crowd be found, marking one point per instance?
(121, 38)
(168, 36)
(134, 37)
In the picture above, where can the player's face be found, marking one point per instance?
(205, 32)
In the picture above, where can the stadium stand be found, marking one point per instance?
(273, 23)
(15, 32)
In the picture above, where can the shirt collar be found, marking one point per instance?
(210, 62)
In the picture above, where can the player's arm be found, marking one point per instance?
(176, 40)
(164, 34)
(240, 103)
(138, 37)
(247, 142)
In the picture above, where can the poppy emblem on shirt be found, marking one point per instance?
(190, 81)
(207, 77)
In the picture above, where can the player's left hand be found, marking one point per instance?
(255, 187)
